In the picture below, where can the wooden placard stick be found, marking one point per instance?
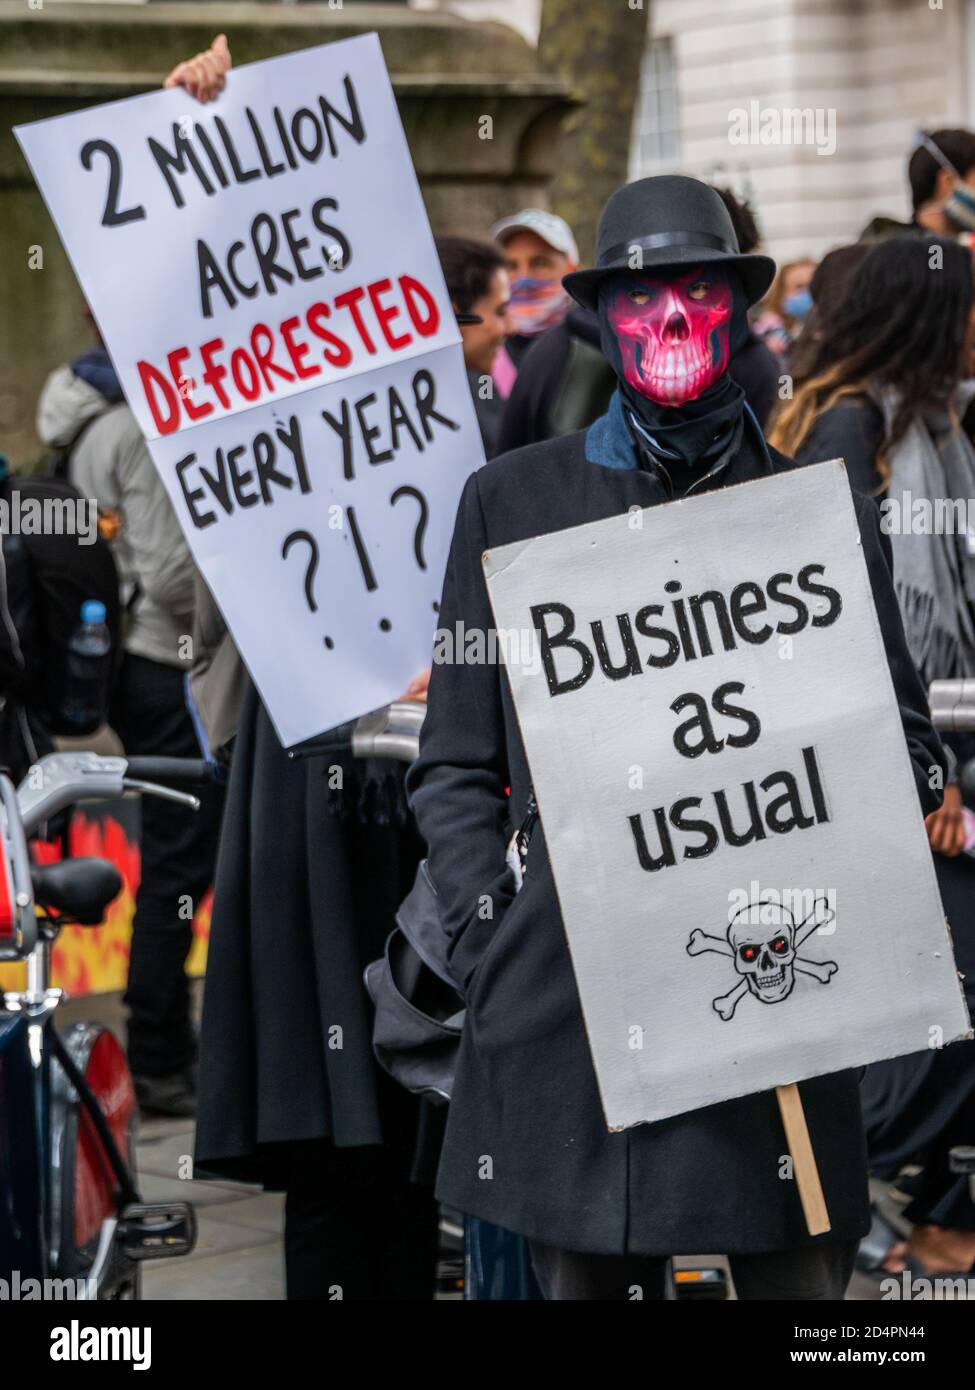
(803, 1159)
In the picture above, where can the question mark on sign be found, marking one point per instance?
(312, 562)
(422, 519)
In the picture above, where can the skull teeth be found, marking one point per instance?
(776, 977)
(680, 376)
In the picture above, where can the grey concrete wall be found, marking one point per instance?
(448, 73)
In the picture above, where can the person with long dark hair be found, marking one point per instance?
(827, 288)
(891, 349)
(882, 387)
(477, 282)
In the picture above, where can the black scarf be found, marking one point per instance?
(685, 442)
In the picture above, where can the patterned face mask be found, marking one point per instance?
(673, 334)
(537, 304)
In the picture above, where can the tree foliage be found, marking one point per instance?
(596, 46)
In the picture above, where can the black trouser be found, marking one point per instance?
(178, 849)
(355, 1227)
(813, 1273)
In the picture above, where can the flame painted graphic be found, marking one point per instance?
(95, 960)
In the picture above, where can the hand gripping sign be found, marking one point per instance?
(263, 273)
(729, 806)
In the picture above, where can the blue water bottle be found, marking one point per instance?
(84, 701)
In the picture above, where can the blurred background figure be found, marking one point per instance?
(827, 288)
(538, 249)
(785, 308)
(941, 173)
(479, 288)
(754, 367)
(884, 382)
(83, 417)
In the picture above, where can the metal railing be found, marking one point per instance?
(953, 705)
(390, 732)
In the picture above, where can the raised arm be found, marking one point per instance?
(204, 76)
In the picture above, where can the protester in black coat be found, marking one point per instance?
(895, 344)
(527, 1145)
(563, 384)
(315, 856)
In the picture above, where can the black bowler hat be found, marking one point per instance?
(665, 223)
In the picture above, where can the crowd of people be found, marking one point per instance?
(868, 355)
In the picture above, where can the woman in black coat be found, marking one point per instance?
(315, 856)
(526, 1144)
(880, 389)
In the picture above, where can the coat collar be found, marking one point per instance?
(609, 444)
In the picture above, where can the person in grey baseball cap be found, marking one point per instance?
(539, 249)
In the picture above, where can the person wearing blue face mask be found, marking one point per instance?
(951, 209)
(786, 305)
(941, 173)
(798, 304)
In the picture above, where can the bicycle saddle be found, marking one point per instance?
(78, 888)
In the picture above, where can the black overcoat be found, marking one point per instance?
(526, 1144)
(305, 894)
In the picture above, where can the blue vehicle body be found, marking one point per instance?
(21, 1236)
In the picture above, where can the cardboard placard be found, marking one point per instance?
(264, 276)
(727, 796)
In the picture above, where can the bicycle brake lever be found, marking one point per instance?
(133, 784)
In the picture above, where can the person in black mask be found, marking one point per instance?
(670, 338)
(526, 1144)
(565, 382)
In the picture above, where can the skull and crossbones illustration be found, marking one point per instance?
(763, 940)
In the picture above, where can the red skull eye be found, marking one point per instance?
(699, 289)
(639, 296)
(780, 945)
(748, 953)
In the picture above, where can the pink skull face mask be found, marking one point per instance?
(673, 334)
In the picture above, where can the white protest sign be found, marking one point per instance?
(728, 801)
(245, 246)
(331, 588)
(264, 275)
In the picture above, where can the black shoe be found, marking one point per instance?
(166, 1095)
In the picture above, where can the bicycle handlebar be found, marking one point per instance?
(61, 779)
(392, 731)
(188, 772)
(952, 705)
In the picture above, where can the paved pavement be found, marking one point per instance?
(239, 1251)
